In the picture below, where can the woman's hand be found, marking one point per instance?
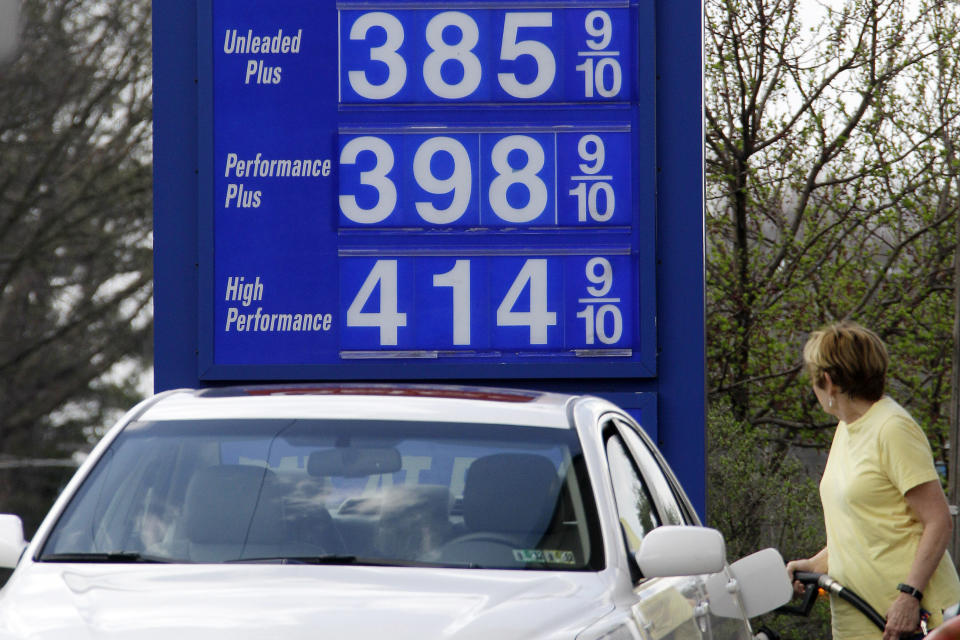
(929, 505)
(903, 616)
(816, 564)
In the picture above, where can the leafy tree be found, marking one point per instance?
(75, 232)
(832, 193)
(760, 498)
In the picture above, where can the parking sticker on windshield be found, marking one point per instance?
(550, 556)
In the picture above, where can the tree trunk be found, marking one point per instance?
(954, 468)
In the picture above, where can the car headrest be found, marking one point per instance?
(510, 493)
(220, 502)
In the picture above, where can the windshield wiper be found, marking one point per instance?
(333, 559)
(325, 559)
(118, 557)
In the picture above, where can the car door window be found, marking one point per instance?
(667, 505)
(634, 505)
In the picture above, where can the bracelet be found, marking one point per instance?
(913, 591)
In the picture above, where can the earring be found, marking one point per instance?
(830, 404)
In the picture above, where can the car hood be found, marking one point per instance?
(78, 601)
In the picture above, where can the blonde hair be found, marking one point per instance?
(854, 357)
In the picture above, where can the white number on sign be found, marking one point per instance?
(388, 319)
(525, 175)
(606, 323)
(458, 279)
(459, 182)
(462, 37)
(592, 152)
(592, 160)
(386, 53)
(376, 178)
(597, 76)
(588, 201)
(461, 52)
(511, 49)
(603, 75)
(596, 323)
(533, 275)
(530, 156)
(602, 33)
(603, 280)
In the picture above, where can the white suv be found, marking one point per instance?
(368, 511)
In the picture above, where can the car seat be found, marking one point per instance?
(233, 511)
(414, 521)
(508, 503)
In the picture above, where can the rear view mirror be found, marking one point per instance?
(11, 540)
(681, 551)
(354, 462)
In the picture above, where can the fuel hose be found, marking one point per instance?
(827, 583)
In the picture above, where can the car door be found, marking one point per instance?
(647, 496)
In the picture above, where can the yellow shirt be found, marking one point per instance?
(872, 535)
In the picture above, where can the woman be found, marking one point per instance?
(887, 520)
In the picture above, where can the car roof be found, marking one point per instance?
(365, 401)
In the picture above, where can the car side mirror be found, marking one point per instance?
(12, 543)
(760, 580)
(681, 551)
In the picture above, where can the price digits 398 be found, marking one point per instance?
(518, 179)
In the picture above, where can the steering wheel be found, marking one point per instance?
(491, 537)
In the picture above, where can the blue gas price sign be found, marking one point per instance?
(422, 189)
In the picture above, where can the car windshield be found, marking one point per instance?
(335, 492)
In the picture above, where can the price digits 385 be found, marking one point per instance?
(459, 49)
